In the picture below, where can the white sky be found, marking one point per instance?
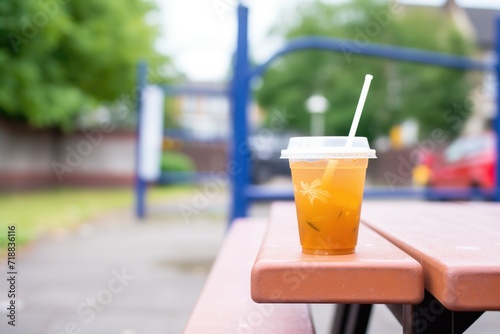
(200, 35)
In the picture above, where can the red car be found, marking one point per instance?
(468, 162)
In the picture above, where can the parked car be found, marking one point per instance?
(266, 147)
(468, 162)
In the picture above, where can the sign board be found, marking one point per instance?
(151, 133)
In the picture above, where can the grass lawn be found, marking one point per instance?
(34, 213)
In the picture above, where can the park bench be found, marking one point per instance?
(435, 265)
(225, 305)
(378, 272)
(454, 266)
(458, 246)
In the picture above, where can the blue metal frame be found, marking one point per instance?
(496, 122)
(262, 193)
(242, 193)
(178, 90)
(140, 185)
(240, 90)
(239, 165)
(375, 50)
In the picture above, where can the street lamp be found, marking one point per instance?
(317, 105)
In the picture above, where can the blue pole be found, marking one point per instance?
(348, 48)
(208, 91)
(240, 156)
(140, 185)
(496, 121)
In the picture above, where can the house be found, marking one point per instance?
(479, 25)
(206, 117)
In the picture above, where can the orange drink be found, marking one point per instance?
(328, 181)
(328, 196)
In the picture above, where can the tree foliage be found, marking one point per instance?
(60, 59)
(399, 90)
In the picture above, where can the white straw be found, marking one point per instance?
(359, 109)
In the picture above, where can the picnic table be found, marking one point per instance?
(436, 266)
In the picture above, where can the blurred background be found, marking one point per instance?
(68, 119)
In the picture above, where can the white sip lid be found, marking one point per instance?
(327, 147)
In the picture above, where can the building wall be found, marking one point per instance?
(31, 158)
(209, 156)
(25, 156)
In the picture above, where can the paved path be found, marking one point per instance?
(115, 275)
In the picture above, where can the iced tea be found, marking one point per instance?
(328, 196)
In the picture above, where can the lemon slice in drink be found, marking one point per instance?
(327, 179)
(343, 201)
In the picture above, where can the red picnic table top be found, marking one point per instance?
(457, 244)
(451, 249)
(378, 272)
(224, 305)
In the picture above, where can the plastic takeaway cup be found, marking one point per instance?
(328, 182)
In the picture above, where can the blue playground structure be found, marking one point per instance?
(141, 184)
(242, 192)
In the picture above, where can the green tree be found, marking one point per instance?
(60, 59)
(399, 90)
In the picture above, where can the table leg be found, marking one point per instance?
(431, 317)
(351, 318)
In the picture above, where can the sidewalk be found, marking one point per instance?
(117, 275)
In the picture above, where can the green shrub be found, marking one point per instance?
(176, 162)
